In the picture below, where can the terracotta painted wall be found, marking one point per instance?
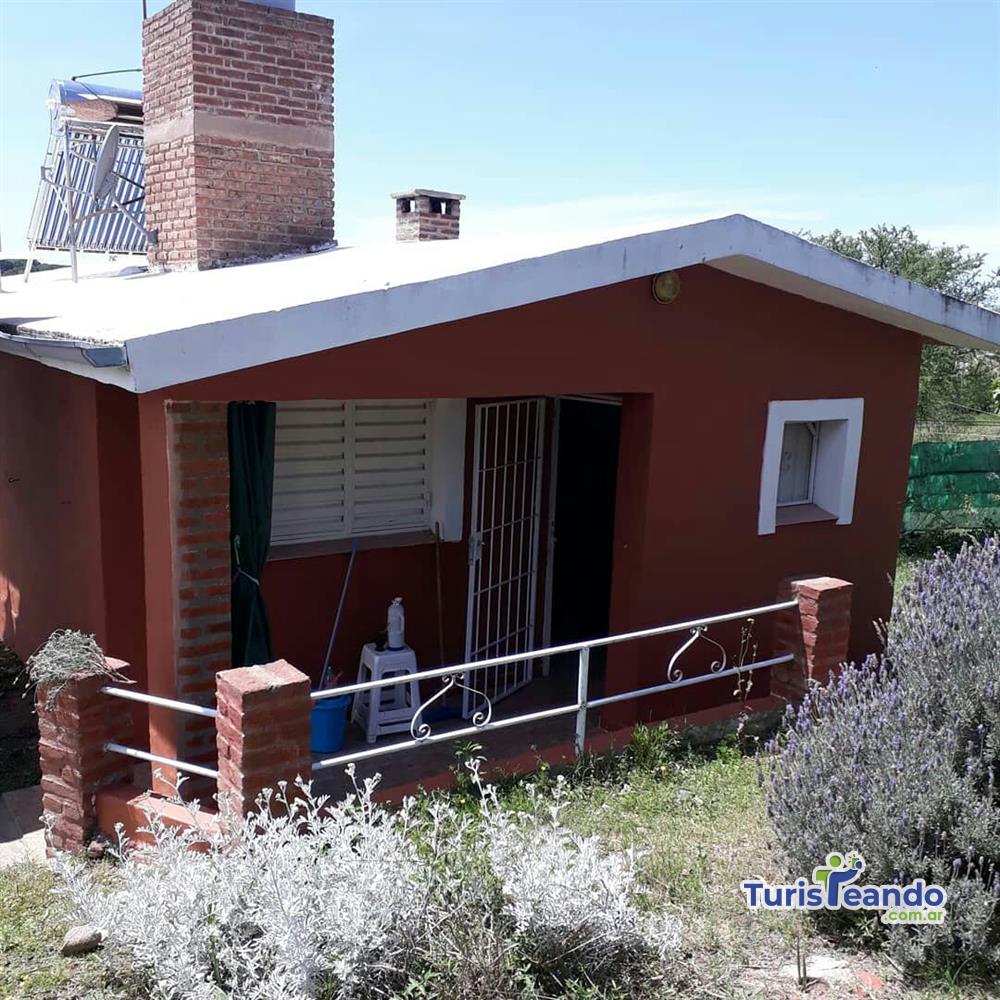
(698, 375)
(121, 527)
(50, 534)
(302, 596)
(70, 511)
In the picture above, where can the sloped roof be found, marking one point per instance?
(150, 331)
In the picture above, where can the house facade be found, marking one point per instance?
(530, 443)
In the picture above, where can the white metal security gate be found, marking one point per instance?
(503, 546)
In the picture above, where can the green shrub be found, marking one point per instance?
(12, 676)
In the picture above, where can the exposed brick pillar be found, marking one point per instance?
(74, 763)
(427, 215)
(816, 632)
(262, 730)
(199, 488)
(238, 121)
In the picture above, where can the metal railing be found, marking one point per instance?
(180, 765)
(482, 720)
(157, 701)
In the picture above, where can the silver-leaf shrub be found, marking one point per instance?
(898, 758)
(315, 899)
(573, 905)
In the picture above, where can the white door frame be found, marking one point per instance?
(606, 399)
(550, 537)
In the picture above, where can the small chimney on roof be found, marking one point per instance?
(238, 131)
(427, 215)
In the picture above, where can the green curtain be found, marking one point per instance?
(251, 480)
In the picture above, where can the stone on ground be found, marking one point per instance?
(825, 968)
(80, 940)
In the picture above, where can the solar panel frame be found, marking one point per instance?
(110, 232)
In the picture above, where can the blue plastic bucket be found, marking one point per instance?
(329, 722)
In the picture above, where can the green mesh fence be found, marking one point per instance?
(953, 484)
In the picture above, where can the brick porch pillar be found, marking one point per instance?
(816, 632)
(74, 763)
(262, 730)
(199, 497)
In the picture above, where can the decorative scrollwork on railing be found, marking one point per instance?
(479, 718)
(674, 675)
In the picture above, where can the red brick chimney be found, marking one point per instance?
(238, 108)
(427, 215)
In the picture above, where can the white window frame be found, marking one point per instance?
(445, 474)
(836, 453)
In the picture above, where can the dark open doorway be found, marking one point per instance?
(586, 476)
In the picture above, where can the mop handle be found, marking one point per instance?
(336, 621)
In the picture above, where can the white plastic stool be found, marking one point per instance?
(389, 709)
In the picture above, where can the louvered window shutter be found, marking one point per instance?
(310, 442)
(344, 469)
(391, 474)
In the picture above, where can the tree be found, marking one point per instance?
(953, 381)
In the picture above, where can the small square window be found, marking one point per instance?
(810, 466)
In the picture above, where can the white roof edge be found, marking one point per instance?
(69, 356)
(458, 285)
(773, 257)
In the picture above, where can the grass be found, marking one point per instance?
(701, 820)
(32, 923)
(701, 817)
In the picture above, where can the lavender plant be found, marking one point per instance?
(314, 899)
(898, 758)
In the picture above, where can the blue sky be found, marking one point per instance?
(581, 115)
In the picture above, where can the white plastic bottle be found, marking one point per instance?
(396, 627)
